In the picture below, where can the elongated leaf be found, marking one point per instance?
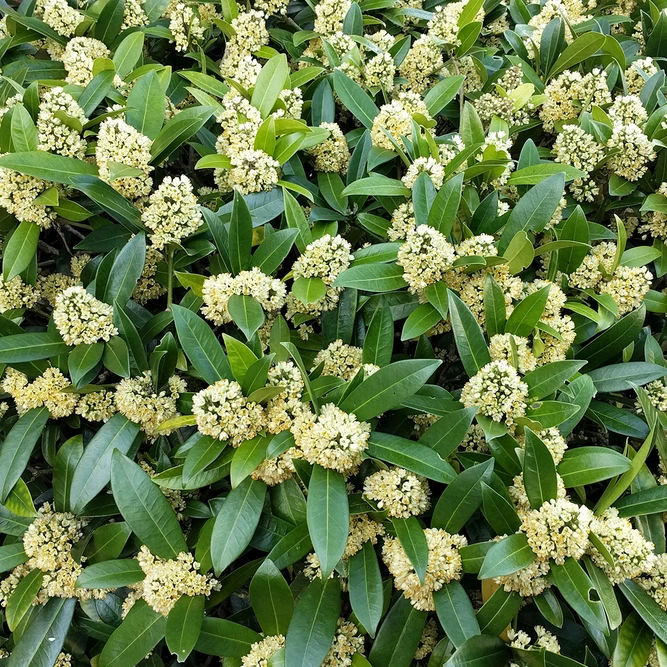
(498, 611)
(468, 335)
(45, 636)
(461, 498)
(184, 625)
(446, 204)
(144, 507)
(448, 432)
(482, 651)
(23, 597)
(240, 235)
(93, 471)
(372, 278)
(18, 348)
(236, 523)
(17, 447)
(547, 379)
(273, 250)
(387, 387)
(328, 516)
(588, 465)
(649, 501)
(455, 613)
(527, 313)
(20, 250)
(413, 540)
(225, 638)
(365, 588)
(271, 599)
(201, 346)
(506, 557)
(410, 455)
(246, 313)
(111, 574)
(313, 624)
(353, 96)
(539, 472)
(126, 271)
(47, 166)
(134, 638)
(269, 84)
(646, 607)
(621, 377)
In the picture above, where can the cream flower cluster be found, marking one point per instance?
(167, 581)
(400, 493)
(426, 257)
(444, 565)
(395, 119)
(334, 439)
(224, 413)
(58, 135)
(262, 651)
(342, 360)
(498, 391)
(172, 213)
(141, 403)
(81, 319)
(270, 292)
(47, 390)
(332, 154)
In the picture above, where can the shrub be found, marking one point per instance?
(332, 334)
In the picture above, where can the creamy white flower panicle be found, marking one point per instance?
(79, 56)
(342, 360)
(47, 390)
(216, 291)
(334, 439)
(172, 213)
(58, 135)
(400, 492)
(262, 651)
(223, 412)
(498, 391)
(426, 257)
(558, 530)
(444, 565)
(81, 318)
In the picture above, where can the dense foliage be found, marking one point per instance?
(332, 334)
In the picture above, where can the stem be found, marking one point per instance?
(170, 277)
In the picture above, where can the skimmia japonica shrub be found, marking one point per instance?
(331, 333)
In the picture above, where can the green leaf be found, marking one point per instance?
(236, 523)
(545, 380)
(461, 498)
(468, 335)
(17, 447)
(126, 56)
(47, 166)
(482, 651)
(200, 345)
(420, 320)
(455, 613)
(225, 638)
(270, 82)
(365, 587)
(527, 313)
(117, 357)
(83, 362)
(534, 209)
(328, 516)
(247, 457)
(410, 455)
(372, 278)
(442, 93)
(448, 432)
(145, 508)
(134, 638)
(184, 125)
(146, 105)
(24, 132)
(620, 377)
(126, 271)
(353, 96)
(20, 250)
(309, 290)
(539, 471)
(240, 234)
(44, 637)
(552, 413)
(313, 624)
(379, 340)
(509, 555)
(498, 611)
(273, 250)
(648, 501)
(634, 643)
(184, 624)
(649, 610)
(18, 348)
(413, 540)
(23, 597)
(386, 388)
(377, 186)
(399, 635)
(93, 471)
(536, 173)
(588, 465)
(111, 574)
(577, 52)
(446, 205)
(109, 22)
(296, 219)
(11, 555)
(499, 511)
(271, 599)
(246, 313)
